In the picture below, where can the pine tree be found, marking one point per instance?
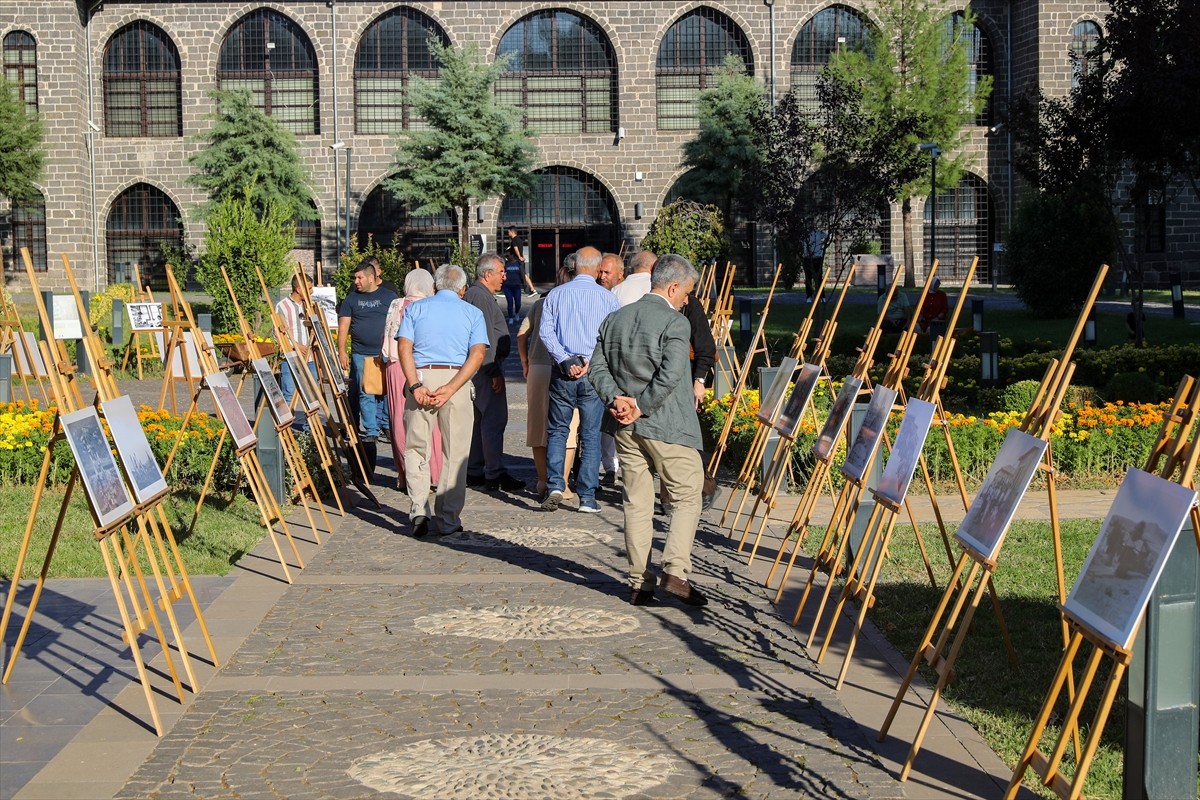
(247, 147)
(21, 152)
(470, 148)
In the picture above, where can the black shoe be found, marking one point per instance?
(609, 481)
(420, 526)
(707, 500)
(506, 483)
(452, 531)
(643, 597)
(684, 590)
(476, 481)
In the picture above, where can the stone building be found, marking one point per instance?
(610, 87)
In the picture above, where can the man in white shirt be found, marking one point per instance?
(637, 283)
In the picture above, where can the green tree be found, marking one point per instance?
(914, 83)
(694, 231)
(247, 147)
(21, 153)
(470, 146)
(725, 156)
(239, 238)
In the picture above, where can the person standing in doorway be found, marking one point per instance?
(814, 262)
(516, 274)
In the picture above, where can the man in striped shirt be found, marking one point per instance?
(571, 317)
(291, 311)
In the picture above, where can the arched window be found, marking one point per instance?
(688, 56)
(1085, 39)
(141, 220)
(563, 74)
(20, 66)
(269, 56)
(963, 229)
(386, 220)
(28, 230)
(392, 50)
(142, 83)
(979, 57)
(831, 29)
(567, 210)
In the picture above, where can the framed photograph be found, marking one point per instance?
(65, 317)
(983, 528)
(145, 316)
(276, 404)
(145, 476)
(788, 421)
(906, 451)
(231, 410)
(870, 434)
(189, 351)
(325, 345)
(325, 299)
(835, 423)
(305, 385)
(1129, 555)
(768, 406)
(23, 368)
(102, 482)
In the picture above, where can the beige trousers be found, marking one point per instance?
(682, 472)
(454, 419)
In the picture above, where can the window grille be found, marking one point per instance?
(140, 221)
(392, 51)
(28, 230)
(979, 57)
(268, 55)
(688, 57)
(20, 66)
(142, 84)
(830, 29)
(963, 229)
(1085, 60)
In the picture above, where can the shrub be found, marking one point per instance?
(390, 260)
(100, 308)
(689, 229)
(1019, 396)
(1131, 387)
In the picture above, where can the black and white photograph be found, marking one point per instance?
(145, 316)
(325, 299)
(906, 451)
(145, 475)
(231, 410)
(983, 528)
(835, 423)
(870, 434)
(788, 421)
(305, 384)
(1129, 555)
(65, 317)
(325, 343)
(106, 491)
(769, 402)
(276, 404)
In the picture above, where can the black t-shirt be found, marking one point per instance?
(514, 267)
(368, 317)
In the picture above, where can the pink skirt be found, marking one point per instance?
(395, 401)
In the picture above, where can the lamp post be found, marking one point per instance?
(337, 147)
(934, 151)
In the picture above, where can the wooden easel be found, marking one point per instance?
(748, 474)
(704, 287)
(268, 510)
(720, 321)
(134, 345)
(757, 345)
(117, 545)
(962, 596)
(175, 345)
(1176, 460)
(13, 341)
(782, 457)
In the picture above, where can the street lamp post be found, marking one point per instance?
(934, 151)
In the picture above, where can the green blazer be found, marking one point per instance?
(643, 352)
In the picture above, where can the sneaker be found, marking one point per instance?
(552, 501)
(420, 526)
(589, 507)
(505, 483)
(707, 500)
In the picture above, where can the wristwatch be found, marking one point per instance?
(413, 387)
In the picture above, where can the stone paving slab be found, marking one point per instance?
(518, 744)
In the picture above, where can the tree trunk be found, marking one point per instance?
(910, 280)
(464, 231)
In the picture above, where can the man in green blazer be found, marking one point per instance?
(642, 373)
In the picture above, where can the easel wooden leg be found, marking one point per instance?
(255, 476)
(862, 559)
(132, 637)
(24, 550)
(167, 603)
(162, 530)
(866, 599)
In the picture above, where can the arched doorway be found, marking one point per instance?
(387, 221)
(568, 209)
(964, 229)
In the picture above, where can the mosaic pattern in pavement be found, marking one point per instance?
(505, 623)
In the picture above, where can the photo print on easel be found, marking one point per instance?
(303, 379)
(106, 491)
(231, 410)
(145, 316)
(66, 317)
(325, 299)
(327, 352)
(906, 451)
(276, 404)
(768, 406)
(838, 415)
(870, 434)
(1129, 555)
(143, 470)
(982, 529)
(788, 421)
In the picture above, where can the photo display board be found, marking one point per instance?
(788, 421)
(98, 470)
(770, 401)
(276, 404)
(145, 475)
(231, 410)
(66, 317)
(1129, 555)
(870, 433)
(906, 451)
(983, 528)
(303, 379)
(836, 421)
(325, 299)
(145, 316)
(325, 343)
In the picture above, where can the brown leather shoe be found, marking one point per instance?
(684, 590)
(643, 597)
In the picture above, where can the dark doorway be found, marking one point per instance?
(548, 247)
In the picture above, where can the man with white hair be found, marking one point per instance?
(441, 344)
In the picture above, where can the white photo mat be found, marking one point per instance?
(102, 482)
(788, 421)
(906, 451)
(230, 410)
(986, 523)
(870, 433)
(142, 468)
(835, 423)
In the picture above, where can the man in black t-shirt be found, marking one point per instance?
(361, 320)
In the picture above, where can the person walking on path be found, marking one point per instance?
(361, 319)
(291, 311)
(641, 370)
(485, 467)
(418, 284)
(516, 275)
(441, 344)
(571, 318)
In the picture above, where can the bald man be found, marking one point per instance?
(612, 271)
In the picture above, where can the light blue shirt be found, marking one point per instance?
(571, 317)
(443, 329)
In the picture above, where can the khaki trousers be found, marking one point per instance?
(682, 472)
(454, 420)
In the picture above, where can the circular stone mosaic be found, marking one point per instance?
(530, 536)
(507, 622)
(513, 766)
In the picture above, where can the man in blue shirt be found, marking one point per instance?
(362, 317)
(571, 317)
(440, 345)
